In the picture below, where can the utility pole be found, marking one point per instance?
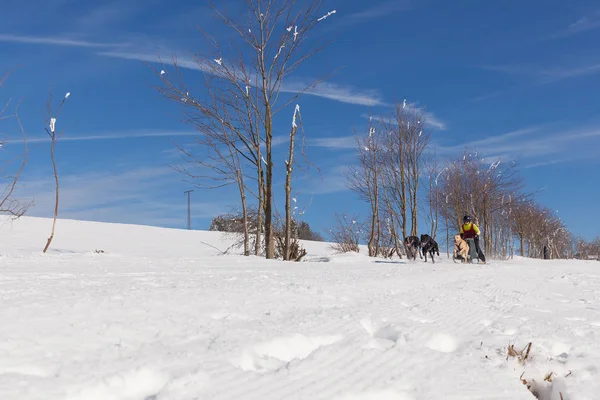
(189, 216)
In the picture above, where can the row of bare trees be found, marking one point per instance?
(486, 191)
(394, 153)
(536, 228)
(492, 193)
(234, 109)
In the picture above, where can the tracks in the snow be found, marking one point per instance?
(389, 335)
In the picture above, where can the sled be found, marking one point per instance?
(472, 253)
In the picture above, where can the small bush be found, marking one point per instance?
(345, 234)
(296, 251)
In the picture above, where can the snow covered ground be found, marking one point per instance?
(161, 315)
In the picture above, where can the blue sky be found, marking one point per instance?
(516, 79)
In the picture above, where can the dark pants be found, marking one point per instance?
(478, 249)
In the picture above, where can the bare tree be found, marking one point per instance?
(222, 164)
(390, 163)
(51, 130)
(15, 208)
(416, 137)
(365, 180)
(272, 43)
(522, 214)
(395, 170)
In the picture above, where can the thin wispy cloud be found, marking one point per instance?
(379, 10)
(429, 118)
(491, 95)
(331, 181)
(547, 75)
(433, 121)
(332, 91)
(584, 24)
(104, 15)
(349, 141)
(54, 41)
(507, 142)
(117, 135)
(537, 146)
(539, 75)
(545, 163)
(342, 93)
(127, 196)
(342, 142)
(182, 62)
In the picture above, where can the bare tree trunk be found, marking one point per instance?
(403, 191)
(270, 245)
(396, 241)
(487, 233)
(447, 238)
(268, 124)
(437, 211)
(242, 190)
(259, 216)
(372, 240)
(375, 233)
(414, 212)
(56, 194)
(522, 245)
(378, 237)
(288, 190)
(53, 137)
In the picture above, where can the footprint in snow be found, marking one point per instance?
(273, 354)
(510, 331)
(383, 336)
(443, 342)
(142, 383)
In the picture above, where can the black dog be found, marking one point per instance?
(412, 247)
(428, 245)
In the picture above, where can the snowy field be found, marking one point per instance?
(160, 315)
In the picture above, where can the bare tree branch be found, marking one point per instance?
(15, 208)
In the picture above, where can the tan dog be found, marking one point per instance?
(461, 248)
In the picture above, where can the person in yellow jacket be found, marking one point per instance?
(468, 230)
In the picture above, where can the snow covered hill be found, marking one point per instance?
(160, 314)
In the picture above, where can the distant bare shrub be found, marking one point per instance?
(345, 234)
(296, 252)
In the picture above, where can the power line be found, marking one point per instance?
(189, 215)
